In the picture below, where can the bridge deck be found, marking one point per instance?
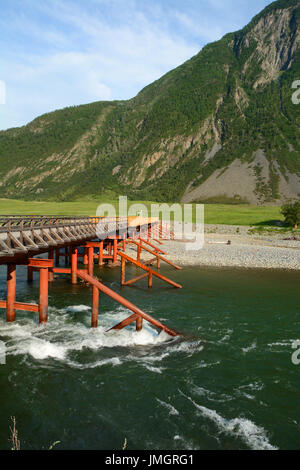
(31, 235)
(24, 237)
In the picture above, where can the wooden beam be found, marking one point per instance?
(91, 260)
(157, 255)
(149, 270)
(40, 263)
(62, 270)
(156, 248)
(126, 303)
(21, 306)
(132, 281)
(43, 298)
(139, 324)
(95, 307)
(11, 293)
(125, 322)
(101, 253)
(74, 264)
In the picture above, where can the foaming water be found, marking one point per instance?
(228, 384)
(59, 338)
(250, 348)
(255, 437)
(169, 407)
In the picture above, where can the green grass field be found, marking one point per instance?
(214, 213)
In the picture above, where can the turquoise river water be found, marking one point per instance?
(229, 384)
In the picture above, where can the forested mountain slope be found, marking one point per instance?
(221, 127)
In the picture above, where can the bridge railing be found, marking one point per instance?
(28, 234)
(17, 223)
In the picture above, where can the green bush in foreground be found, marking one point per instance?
(291, 212)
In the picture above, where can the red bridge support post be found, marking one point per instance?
(139, 251)
(91, 260)
(11, 293)
(101, 253)
(95, 307)
(123, 267)
(85, 256)
(139, 323)
(115, 253)
(43, 299)
(74, 264)
(150, 280)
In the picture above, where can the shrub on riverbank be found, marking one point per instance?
(291, 212)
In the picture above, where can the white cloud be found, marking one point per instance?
(67, 52)
(90, 59)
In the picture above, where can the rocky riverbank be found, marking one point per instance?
(247, 250)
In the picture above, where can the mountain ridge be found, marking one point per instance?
(219, 128)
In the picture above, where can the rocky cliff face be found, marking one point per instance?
(222, 127)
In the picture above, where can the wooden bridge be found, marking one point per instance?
(24, 238)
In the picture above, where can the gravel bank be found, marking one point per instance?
(239, 254)
(247, 251)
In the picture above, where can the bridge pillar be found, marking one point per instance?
(101, 253)
(85, 256)
(11, 293)
(43, 299)
(139, 251)
(115, 252)
(95, 307)
(74, 252)
(150, 280)
(123, 267)
(91, 260)
(139, 323)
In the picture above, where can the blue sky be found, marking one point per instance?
(59, 53)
